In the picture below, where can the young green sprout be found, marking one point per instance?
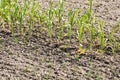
(90, 10)
(71, 20)
(22, 17)
(28, 14)
(59, 11)
(49, 18)
(113, 44)
(101, 34)
(82, 23)
(59, 14)
(80, 32)
(33, 15)
(93, 35)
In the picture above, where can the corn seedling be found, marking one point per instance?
(59, 15)
(80, 32)
(113, 44)
(50, 10)
(101, 34)
(93, 35)
(61, 31)
(81, 23)
(12, 15)
(49, 19)
(71, 20)
(90, 9)
(4, 12)
(59, 11)
(33, 15)
(41, 17)
(26, 16)
(22, 17)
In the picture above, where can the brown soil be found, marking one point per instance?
(39, 58)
